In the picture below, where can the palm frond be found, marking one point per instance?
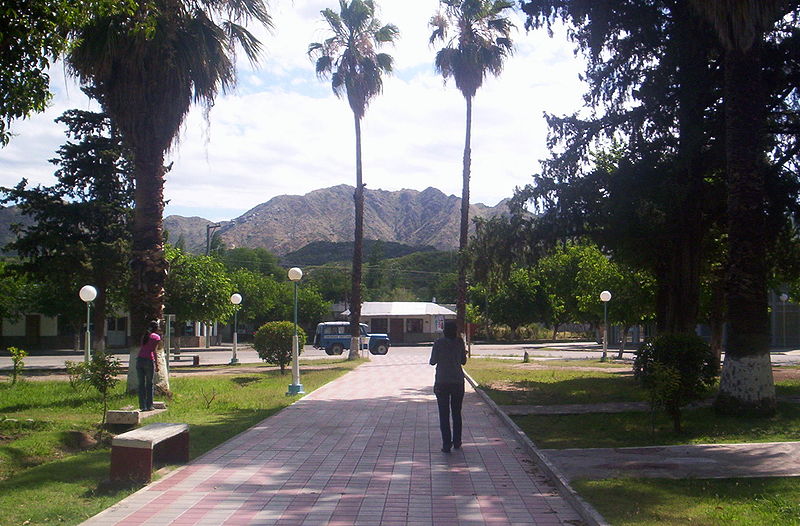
(385, 62)
(240, 35)
(351, 60)
(439, 24)
(323, 66)
(387, 33)
(334, 21)
(481, 43)
(242, 11)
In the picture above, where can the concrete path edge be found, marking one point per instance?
(584, 509)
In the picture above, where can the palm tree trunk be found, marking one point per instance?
(461, 297)
(358, 249)
(746, 385)
(148, 266)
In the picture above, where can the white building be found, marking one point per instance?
(405, 321)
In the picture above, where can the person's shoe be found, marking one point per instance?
(445, 450)
(457, 445)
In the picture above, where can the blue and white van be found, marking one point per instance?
(334, 337)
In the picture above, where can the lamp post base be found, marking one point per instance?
(295, 389)
(234, 361)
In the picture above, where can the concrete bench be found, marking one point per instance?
(132, 417)
(194, 357)
(133, 453)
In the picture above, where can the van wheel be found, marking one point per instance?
(329, 351)
(381, 348)
(336, 348)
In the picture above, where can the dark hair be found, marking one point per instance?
(450, 330)
(151, 328)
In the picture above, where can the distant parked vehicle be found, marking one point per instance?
(334, 337)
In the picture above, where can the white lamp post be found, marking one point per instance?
(605, 297)
(236, 299)
(784, 297)
(88, 294)
(295, 274)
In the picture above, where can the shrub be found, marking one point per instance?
(273, 342)
(676, 369)
(17, 357)
(101, 373)
(77, 374)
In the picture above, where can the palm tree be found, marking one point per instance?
(350, 59)
(479, 44)
(746, 385)
(148, 67)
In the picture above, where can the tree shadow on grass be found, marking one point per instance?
(244, 381)
(587, 390)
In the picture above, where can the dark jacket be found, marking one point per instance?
(448, 355)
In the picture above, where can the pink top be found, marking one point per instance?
(148, 349)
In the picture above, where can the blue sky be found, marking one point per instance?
(282, 131)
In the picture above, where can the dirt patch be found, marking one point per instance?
(786, 373)
(544, 366)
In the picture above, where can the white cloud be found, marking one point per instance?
(283, 131)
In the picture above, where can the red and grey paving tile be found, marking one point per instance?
(362, 450)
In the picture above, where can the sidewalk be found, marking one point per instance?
(362, 450)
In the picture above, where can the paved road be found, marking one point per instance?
(246, 354)
(362, 450)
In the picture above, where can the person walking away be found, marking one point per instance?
(448, 355)
(146, 365)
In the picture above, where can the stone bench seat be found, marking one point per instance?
(195, 358)
(133, 453)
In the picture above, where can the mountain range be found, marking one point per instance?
(287, 223)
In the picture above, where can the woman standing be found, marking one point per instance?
(448, 355)
(146, 365)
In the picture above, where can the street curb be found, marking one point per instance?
(584, 509)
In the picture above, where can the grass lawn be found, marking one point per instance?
(701, 426)
(518, 383)
(656, 502)
(45, 478)
(651, 502)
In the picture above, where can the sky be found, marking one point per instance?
(283, 131)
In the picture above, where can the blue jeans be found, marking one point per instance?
(145, 369)
(449, 397)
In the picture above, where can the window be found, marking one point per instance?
(414, 325)
(380, 325)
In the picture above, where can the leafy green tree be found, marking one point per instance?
(254, 259)
(351, 60)
(35, 33)
(80, 230)
(518, 301)
(197, 288)
(273, 342)
(148, 67)
(260, 296)
(479, 44)
(633, 301)
(558, 275)
(332, 281)
(14, 289)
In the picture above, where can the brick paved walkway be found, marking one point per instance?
(363, 450)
